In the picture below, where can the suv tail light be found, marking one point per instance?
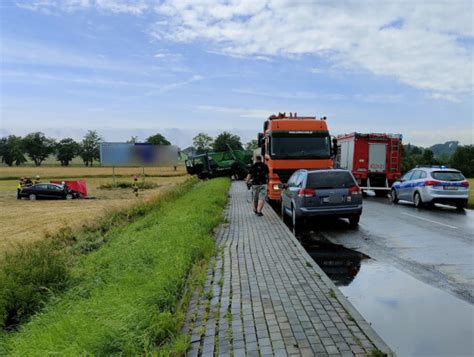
(354, 190)
(306, 192)
(432, 183)
(465, 184)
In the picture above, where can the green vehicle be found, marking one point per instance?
(234, 163)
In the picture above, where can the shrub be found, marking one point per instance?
(142, 185)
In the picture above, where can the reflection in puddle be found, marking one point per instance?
(414, 318)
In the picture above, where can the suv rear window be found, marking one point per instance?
(336, 179)
(447, 175)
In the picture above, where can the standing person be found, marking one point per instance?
(18, 188)
(258, 177)
(135, 186)
(37, 180)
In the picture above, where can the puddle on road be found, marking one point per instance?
(413, 318)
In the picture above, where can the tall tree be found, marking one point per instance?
(252, 145)
(133, 139)
(226, 138)
(90, 147)
(157, 139)
(12, 150)
(38, 147)
(66, 150)
(202, 142)
(463, 160)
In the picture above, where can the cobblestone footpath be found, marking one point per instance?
(265, 296)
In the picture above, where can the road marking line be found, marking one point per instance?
(429, 220)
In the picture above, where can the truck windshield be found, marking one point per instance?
(300, 147)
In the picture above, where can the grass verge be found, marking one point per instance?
(124, 297)
(470, 203)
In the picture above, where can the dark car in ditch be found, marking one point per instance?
(321, 193)
(48, 191)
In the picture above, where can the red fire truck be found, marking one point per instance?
(374, 159)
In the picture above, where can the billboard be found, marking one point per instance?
(138, 154)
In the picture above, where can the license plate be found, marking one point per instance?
(325, 199)
(453, 188)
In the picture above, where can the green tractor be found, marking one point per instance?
(232, 163)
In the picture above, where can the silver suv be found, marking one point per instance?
(432, 184)
(321, 193)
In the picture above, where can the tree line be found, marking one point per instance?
(204, 143)
(462, 158)
(14, 150)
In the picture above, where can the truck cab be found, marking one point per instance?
(293, 142)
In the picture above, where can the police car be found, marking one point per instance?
(426, 185)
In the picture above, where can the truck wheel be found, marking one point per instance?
(393, 196)
(32, 197)
(417, 200)
(354, 221)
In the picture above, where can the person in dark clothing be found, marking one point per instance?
(258, 178)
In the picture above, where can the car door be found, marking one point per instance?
(404, 186)
(56, 191)
(296, 188)
(414, 180)
(40, 190)
(288, 194)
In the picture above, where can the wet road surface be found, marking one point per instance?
(414, 318)
(435, 245)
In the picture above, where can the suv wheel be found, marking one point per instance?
(393, 196)
(354, 221)
(32, 196)
(69, 196)
(417, 200)
(295, 223)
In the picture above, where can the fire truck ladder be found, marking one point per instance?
(394, 155)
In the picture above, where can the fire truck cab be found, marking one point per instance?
(293, 142)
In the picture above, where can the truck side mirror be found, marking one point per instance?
(259, 139)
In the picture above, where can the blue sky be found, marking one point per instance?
(181, 67)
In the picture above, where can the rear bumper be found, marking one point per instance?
(444, 196)
(330, 211)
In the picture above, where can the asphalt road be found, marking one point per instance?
(435, 245)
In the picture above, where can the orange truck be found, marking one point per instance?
(290, 143)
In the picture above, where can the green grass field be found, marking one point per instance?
(122, 299)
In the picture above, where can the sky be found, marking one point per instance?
(187, 66)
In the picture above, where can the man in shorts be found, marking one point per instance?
(258, 177)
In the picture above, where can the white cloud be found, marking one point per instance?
(424, 44)
(134, 7)
(415, 42)
(239, 112)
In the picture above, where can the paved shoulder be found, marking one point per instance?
(264, 295)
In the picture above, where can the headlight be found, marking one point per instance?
(276, 187)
